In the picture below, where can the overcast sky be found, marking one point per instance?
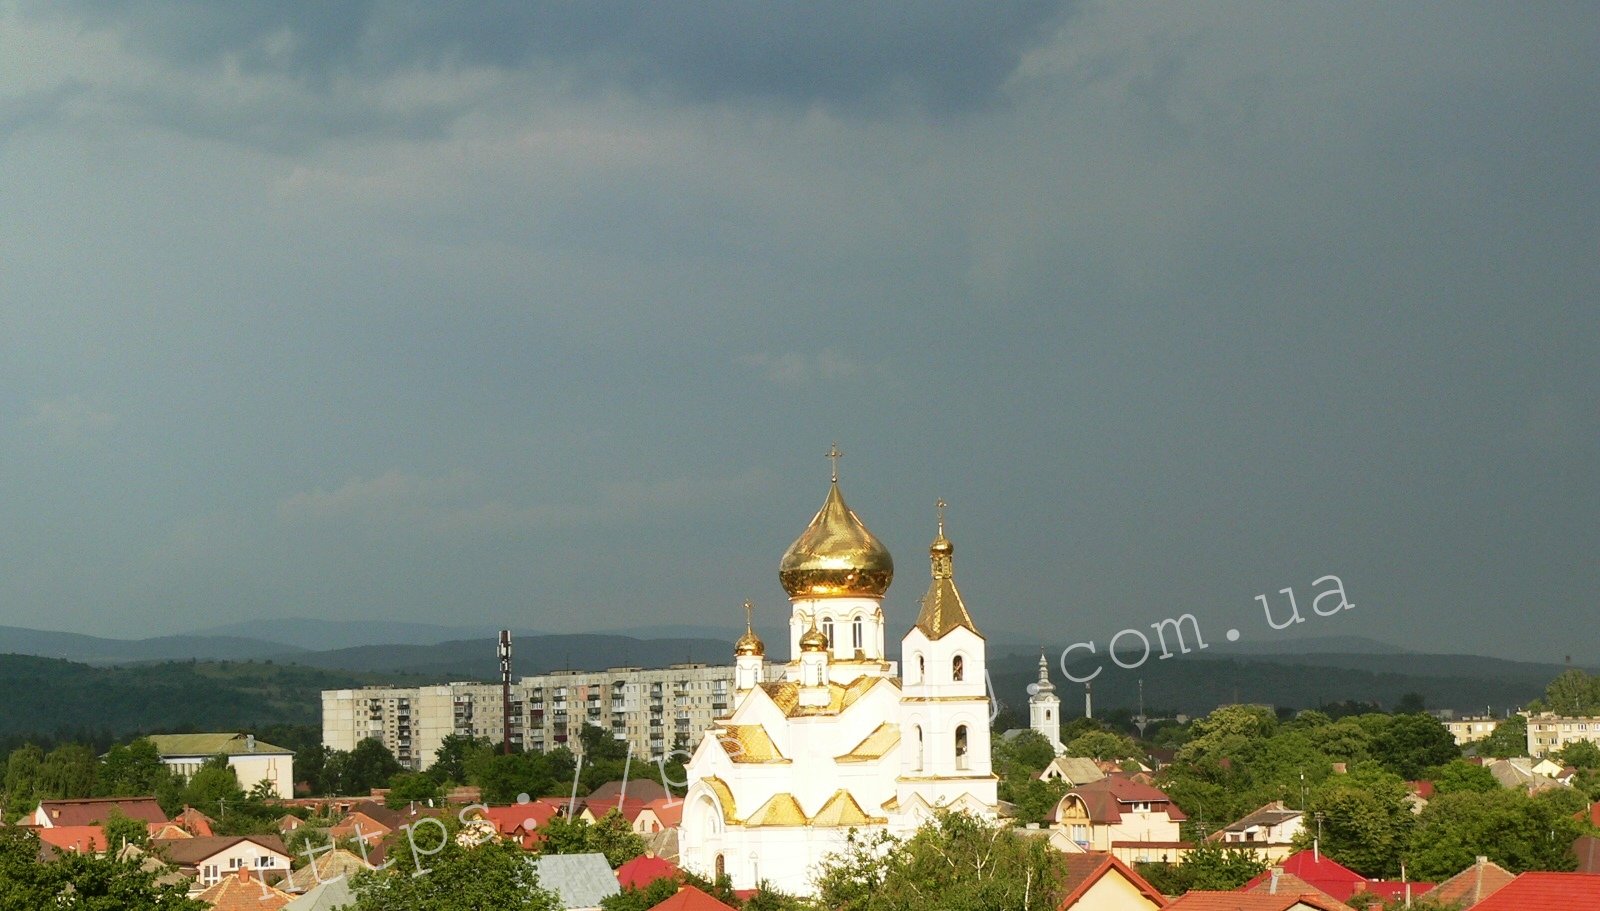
(545, 316)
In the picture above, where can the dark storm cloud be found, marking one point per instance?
(946, 55)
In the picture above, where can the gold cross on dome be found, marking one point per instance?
(748, 609)
(940, 504)
(833, 456)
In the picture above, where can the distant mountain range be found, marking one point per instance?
(1280, 672)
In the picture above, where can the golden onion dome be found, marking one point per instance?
(813, 639)
(836, 557)
(749, 643)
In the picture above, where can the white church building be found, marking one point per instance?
(841, 740)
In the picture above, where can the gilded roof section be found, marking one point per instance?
(785, 695)
(836, 556)
(942, 607)
(842, 810)
(724, 797)
(749, 743)
(875, 745)
(780, 810)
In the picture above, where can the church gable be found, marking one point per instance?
(781, 809)
(843, 810)
(749, 743)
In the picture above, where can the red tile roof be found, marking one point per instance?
(644, 870)
(95, 811)
(689, 898)
(1254, 901)
(1546, 892)
(242, 891)
(669, 810)
(1084, 870)
(1473, 884)
(1322, 872)
(82, 839)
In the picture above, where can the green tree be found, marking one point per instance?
(1103, 745)
(492, 875)
(450, 759)
(22, 779)
(1573, 692)
(406, 787)
(133, 770)
(1580, 754)
(1459, 775)
(1407, 744)
(93, 882)
(1366, 821)
(69, 771)
(655, 893)
(214, 788)
(1518, 832)
(124, 830)
(1509, 738)
(954, 862)
(1208, 866)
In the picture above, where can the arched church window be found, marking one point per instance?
(857, 629)
(961, 745)
(922, 669)
(827, 630)
(722, 867)
(1047, 714)
(958, 670)
(916, 744)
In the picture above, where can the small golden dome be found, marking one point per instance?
(749, 643)
(813, 639)
(836, 556)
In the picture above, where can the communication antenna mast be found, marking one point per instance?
(505, 689)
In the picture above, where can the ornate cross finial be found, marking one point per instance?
(940, 504)
(749, 609)
(833, 456)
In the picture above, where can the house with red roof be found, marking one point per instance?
(94, 811)
(243, 890)
(659, 815)
(1202, 900)
(1472, 885)
(690, 898)
(1101, 882)
(644, 870)
(76, 839)
(1338, 881)
(1122, 815)
(1546, 892)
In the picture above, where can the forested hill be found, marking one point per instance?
(50, 696)
(1195, 684)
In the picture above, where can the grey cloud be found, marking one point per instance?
(945, 55)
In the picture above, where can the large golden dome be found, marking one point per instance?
(836, 557)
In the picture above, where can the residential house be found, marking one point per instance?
(1101, 882)
(582, 881)
(1269, 829)
(243, 890)
(334, 895)
(1336, 880)
(644, 870)
(1472, 885)
(690, 898)
(211, 858)
(1117, 814)
(328, 866)
(1201, 900)
(1546, 892)
(94, 811)
(1522, 772)
(253, 761)
(1074, 770)
(58, 840)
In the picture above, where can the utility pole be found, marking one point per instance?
(505, 690)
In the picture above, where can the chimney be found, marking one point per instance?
(1483, 860)
(249, 743)
(1272, 889)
